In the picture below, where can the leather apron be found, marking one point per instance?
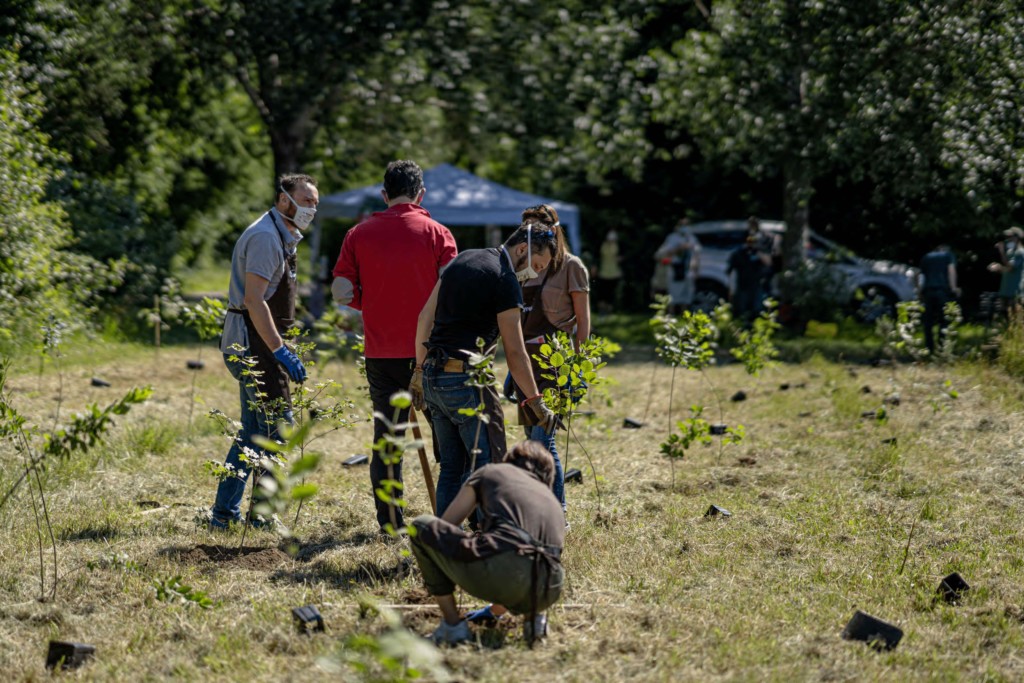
(535, 325)
(282, 311)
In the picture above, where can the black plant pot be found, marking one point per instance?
(573, 475)
(717, 429)
(630, 423)
(873, 631)
(714, 510)
(195, 364)
(356, 460)
(739, 396)
(97, 382)
(307, 619)
(953, 588)
(68, 655)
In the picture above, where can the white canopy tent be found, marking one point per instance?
(457, 197)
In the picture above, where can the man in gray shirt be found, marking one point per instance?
(261, 308)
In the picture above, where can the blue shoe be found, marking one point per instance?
(483, 616)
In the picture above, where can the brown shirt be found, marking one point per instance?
(556, 298)
(505, 491)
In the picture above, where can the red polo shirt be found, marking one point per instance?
(392, 260)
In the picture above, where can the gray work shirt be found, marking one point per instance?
(260, 251)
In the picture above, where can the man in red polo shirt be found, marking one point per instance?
(388, 267)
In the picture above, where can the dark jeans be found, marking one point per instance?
(746, 302)
(934, 304)
(537, 433)
(458, 435)
(227, 506)
(386, 376)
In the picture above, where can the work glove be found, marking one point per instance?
(416, 389)
(545, 418)
(292, 364)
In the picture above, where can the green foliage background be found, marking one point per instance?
(879, 124)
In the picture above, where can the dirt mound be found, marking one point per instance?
(260, 559)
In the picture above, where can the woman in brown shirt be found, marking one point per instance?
(514, 561)
(557, 299)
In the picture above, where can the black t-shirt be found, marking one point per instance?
(749, 267)
(476, 286)
(935, 270)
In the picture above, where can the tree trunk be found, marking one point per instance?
(796, 212)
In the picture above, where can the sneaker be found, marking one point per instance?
(536, 628)
(484, 617)
(452, 634)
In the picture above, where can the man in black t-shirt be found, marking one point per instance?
(478, 297)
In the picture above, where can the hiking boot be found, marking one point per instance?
(452, 634)
(536, 628)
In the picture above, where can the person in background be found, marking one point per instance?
(609, 273)
(749, 264)
(1010, 266)
(681, 253)
(477, 298)
(556, 300)
(936, 287)
(261, 308)
(516, 559)
(387, 268)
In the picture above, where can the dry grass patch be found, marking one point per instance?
(823, 503)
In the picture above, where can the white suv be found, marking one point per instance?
(872, 288)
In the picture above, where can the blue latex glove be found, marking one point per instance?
(292, 363)
(483, 616)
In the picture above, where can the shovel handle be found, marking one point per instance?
(428, 476)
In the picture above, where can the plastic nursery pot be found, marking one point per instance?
(97, 382)
(356, 460)
(195, 364)
(307, 619)
(739, 396)
(890, 441)
(873, 631)
(573, 475)
(953, 588)
(715, 510)
(869, 414)
(784, 386)
(68, 655)
(584, 413)
(717, 429)
(630, 423)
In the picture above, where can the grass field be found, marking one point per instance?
(823, 513)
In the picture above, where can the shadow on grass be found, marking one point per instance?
(97, 532)
(367, 574)
(306, 552)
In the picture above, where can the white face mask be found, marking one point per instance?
(527, 273)
(303, 214)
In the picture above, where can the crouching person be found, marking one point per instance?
(516, 559)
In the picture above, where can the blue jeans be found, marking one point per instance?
(457, 435)
(536, 433)
(226, 507)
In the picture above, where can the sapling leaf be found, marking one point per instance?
(303, 491)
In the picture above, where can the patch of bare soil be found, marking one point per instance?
(259, 559)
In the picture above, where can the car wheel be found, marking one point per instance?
(877, 303)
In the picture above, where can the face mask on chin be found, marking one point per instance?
(303, 214)
(527, 273)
